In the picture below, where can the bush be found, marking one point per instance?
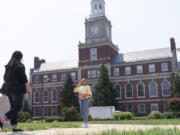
(174, 104)
(122, 116)
(24, 116)
(54, 118)
(140, 114)
(154, 115)
(70, 114)
(167, 115)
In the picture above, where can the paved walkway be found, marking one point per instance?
(94, 128)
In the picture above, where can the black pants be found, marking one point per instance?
(16, 104)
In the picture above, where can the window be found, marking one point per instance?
(129, 107)
(36, 79)
(139, 69)
(45, 78)
(164, 67)
(92, 74)
(166, 107)
(54, 77)
(129, 91)
(95, 6)
(151, 68)
(54, 111)
(54, 96)
(36, 97)
(116, 71)
(127, 70)
(117, 91)
(45, 96)
(73, 75)
(153, 89)
(45, 112)
(37, 112)
(166, 88)
(141, 91)
(63, 76)
(98, 73)
(154, 107)
(100, 6)
(93, 53)
(141, 108)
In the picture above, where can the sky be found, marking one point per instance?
(51, 29)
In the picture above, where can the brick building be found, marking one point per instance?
(142, 79)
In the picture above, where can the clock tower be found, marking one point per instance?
(98, 47)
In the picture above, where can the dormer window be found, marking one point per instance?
(100, 6)
(95, 6)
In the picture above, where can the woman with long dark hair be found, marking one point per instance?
(18, 85)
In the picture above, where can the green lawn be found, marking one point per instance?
(148, 132)
(142, 122)
(45, 125)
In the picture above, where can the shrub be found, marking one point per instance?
(122, 115)
(167, 115)
(140, 114)
(154, 115)
(70, 114)
(54, 118)
(24, 116)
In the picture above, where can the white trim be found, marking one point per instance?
(142, 71)
(126, 91)
(167, 68)
(149, 69)
(156, 89)
(125, 70)
(138, 90)
(127, 108)
(169, 88)
(140, 101)
(155, 105)
(52, 95)
(120, 92)
(139, 108)
(34, 97)
(44, 90)
(116, 73)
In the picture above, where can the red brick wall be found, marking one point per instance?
(145, 68)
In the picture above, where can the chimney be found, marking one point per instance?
(38, 62)
(173, 45)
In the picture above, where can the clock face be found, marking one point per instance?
(95, 29)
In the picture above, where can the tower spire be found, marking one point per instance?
(97, 8)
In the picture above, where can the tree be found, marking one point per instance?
(174, 102)
(105, 94)
(175, 87)
(68, 97)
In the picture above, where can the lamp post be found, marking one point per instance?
(42, 89)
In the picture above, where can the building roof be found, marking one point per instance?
(117, 59)
(50, 66)
(142, 55)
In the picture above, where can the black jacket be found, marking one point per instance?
(16, 78)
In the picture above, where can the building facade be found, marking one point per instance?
(142, 79)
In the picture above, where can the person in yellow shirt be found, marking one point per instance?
(85, 95)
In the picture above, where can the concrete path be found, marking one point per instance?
(94, 128)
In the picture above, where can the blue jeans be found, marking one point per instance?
(16, 104)
(84, 109)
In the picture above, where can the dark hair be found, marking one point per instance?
(15, 58)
